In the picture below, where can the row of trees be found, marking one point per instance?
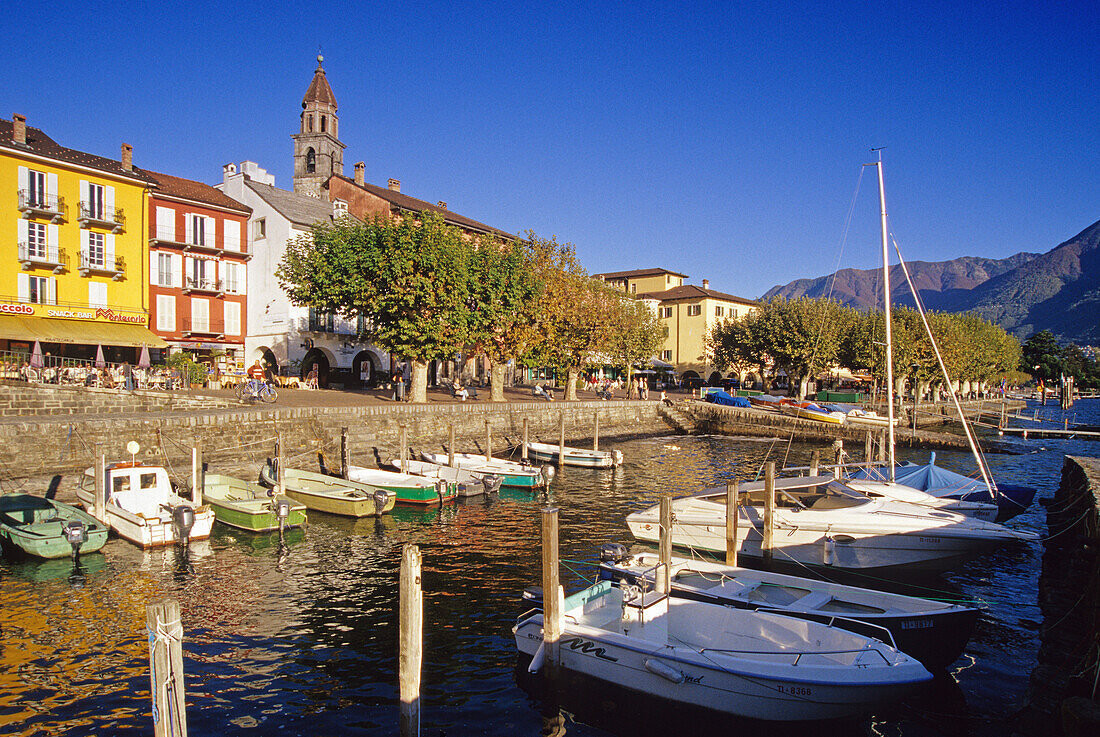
(429, 291)
(806, 336)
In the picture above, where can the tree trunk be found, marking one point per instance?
(571, 383)
(496, 393)
(418, 392)
(803, 382)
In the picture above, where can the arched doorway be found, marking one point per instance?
(690, 380)
(315, 356)
(714, 379)
(365, 369)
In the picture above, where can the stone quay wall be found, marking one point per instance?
(45, 399)
(34, 453)
(1063, 692)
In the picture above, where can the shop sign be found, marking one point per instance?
(98, 314)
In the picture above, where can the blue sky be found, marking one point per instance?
(723, 141)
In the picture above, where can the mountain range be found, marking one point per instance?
(1058, 290)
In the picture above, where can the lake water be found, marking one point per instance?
(302, 638)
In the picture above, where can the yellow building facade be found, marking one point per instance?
(74, 264)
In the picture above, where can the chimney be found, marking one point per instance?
(395, 185)
(359, 169)
(442, 204)
(19, 128)
(127, 157)
(706, 284)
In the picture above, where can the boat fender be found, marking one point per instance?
(830, 551)
(380, 499)
(664, 670)
(612, 552)
(537, 659)
(548, 473)
(183, 519)
(616, 458)
(76, 534)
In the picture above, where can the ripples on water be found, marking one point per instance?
(302, 638)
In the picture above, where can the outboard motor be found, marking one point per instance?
(616, 458)
(76, 534)
(381, 496)
(548, 473)
(183, 519)
(282, 511)
(441, 489)
(613, 553)
(492, 483)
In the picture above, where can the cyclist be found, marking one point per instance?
(256, 379)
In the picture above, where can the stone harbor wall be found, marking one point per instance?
(44, 399)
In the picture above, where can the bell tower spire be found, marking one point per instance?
(318, 152)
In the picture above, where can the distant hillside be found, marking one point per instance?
(1057, 291)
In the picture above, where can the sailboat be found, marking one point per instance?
(885, 481)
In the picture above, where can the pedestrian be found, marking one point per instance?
(633, 385)
(127, 376)
(645, 387)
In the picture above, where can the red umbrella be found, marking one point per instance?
(99, 362)
(36, 356)
(143, 360)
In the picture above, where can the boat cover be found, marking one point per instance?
(722, 397)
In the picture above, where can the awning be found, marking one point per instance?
(51, 330)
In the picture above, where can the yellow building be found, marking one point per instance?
(74, 272)
(642, 281)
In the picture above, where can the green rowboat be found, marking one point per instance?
(38, 526)
(248, 506)
(333, 495)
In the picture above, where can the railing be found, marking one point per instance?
(202, 327)
(106, 217)
(59, 370)
(31, 257)
(37, 203)
(98, 264)
(193, 284)
(167, 235)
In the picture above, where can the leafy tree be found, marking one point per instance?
(1042, 356)
(633, 334)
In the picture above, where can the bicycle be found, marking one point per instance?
(256, 389)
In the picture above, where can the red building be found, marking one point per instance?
(198, 256)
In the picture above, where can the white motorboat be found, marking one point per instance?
(468, 482)
(582, 457)
(514, 474)
(933, 632)
(900, 492)
(819, 521)
(142, 507)
(746, 663)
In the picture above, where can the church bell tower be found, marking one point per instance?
(318, 152)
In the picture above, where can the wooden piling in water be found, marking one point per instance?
(403, 447)
(526, 436)
(166, 669)
(345, 454)
(451, 444)
(732, 517)
(561, 440)
(664, 545)
(867, 449)
(411, 639)
(198, 477)
(838, 457)
(815, 461)
(769, 511)
(551, 596)
(99, 510)
(596, 430)
(488, 440)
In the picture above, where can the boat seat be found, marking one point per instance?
(811, 602)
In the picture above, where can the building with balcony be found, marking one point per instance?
(198, 270)
(74, 276)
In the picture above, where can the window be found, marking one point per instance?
(96, 254)
(719, 311)
(202, 273)
(36, 240)
(164, 269)
(231, 235)
(309, 123)
(666, 355)
(166, 313)
(97, 294)
(695, 310)
(311, 158)
(166, 224)
(259, 229)
(234, 278)
(36, 188)
(666, 312)
(232, 318)
(200, 315)
(324, 123)
(198, 230)
(40, 290)
(97, 197)
(633, 288)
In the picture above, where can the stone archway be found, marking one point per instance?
(366, 369)
(714, 379)
(318, 357)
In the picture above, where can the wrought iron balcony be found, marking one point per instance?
(112, 219)
(33, 257)
(211, 286)
(96, 264)
(37, 205)
(166, 237)
(209, 328)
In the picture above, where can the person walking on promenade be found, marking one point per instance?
(644, 385)
(127, 376)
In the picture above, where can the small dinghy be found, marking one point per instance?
(933, 632)
(409, 488)
(249, 506)
(330, 494)
(519, 475)
(143, 508)
(469, 483)
(735, 661)
(581, 457)
(45, 528)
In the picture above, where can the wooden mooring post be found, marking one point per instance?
(665, 545)
(769, 512)
(732, 516)
(99, 510)
(867, 449)
(488, 440)
(403, 447)
(526, 438)
(166, 668)
(838, 457)
(561, 440)
(552, 597)
(198, 477)
(815, 462)
(596, 430)
(410, 656)
(345, 454)
(451, 444)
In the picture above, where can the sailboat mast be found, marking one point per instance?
(889, 331)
